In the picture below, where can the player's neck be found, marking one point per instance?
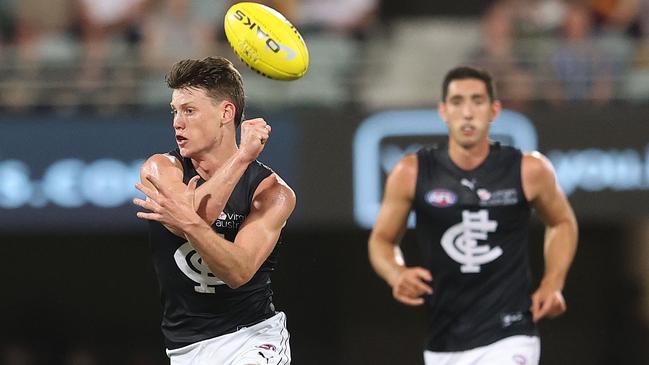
(468, 157)
(206, 164)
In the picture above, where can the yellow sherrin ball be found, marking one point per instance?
(266, 41)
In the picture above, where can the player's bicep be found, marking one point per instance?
(548, 199)
(269, 212)
(397, 201)
(552, 206)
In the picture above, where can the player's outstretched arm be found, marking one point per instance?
(542, 190)
(233, 262)
(408, 284)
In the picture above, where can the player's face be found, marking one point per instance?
(196, 121)
(468, 112)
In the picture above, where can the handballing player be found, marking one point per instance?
(216, 216)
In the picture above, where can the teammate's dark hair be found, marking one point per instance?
(216, 75)
(467, 72)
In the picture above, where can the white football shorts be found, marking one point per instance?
(515, 350)
(264, 343)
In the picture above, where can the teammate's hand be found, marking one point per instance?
(547, 301)
(174, 210)
(254, 134)
(411, 284)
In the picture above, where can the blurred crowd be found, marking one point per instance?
(593, 50)
(112, 55)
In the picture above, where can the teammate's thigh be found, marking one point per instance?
(515, 350)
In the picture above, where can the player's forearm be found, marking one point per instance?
(225, 260)
(385, 259)
(211, 196)
(560, 248)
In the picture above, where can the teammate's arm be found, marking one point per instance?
(560, 245)
(211, 197)
(408, 284)
(234, 263)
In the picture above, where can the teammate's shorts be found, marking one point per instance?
(266, 342)
(515, 350)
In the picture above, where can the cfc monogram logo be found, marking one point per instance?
(461, 241)
(192, 265)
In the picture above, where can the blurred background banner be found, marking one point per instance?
(77, 173)
(83, 102)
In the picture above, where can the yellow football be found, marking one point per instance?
(266, 41)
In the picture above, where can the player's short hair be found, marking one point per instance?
(216, 75)
(468, 72)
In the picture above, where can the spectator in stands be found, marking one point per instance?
(41, 38)
(288, 8)
(109, 30)
(354, 17)
(174, 28)
(642, 56)
(498, 53)
(618, 16)
(581, 69)
(541, 17)
(38, 29)
(643, 19)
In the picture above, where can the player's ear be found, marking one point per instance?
(496, 107)
(441, 110)
(228, 112)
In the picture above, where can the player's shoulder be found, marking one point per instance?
(160, 164)
(162, 160)
(404, 173)
(274, 188)
(276, 182)
(535, 167)
(407, 162)
(537, 162)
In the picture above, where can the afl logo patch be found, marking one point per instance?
(441, 198)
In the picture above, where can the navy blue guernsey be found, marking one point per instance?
(472, 229)
(196, 304)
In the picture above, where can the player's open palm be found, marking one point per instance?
(174, 210)
(411, 285)
(254, 134)
(547, 301)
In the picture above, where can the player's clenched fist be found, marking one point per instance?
(547, 301)
(411, 285)
(254, 134)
